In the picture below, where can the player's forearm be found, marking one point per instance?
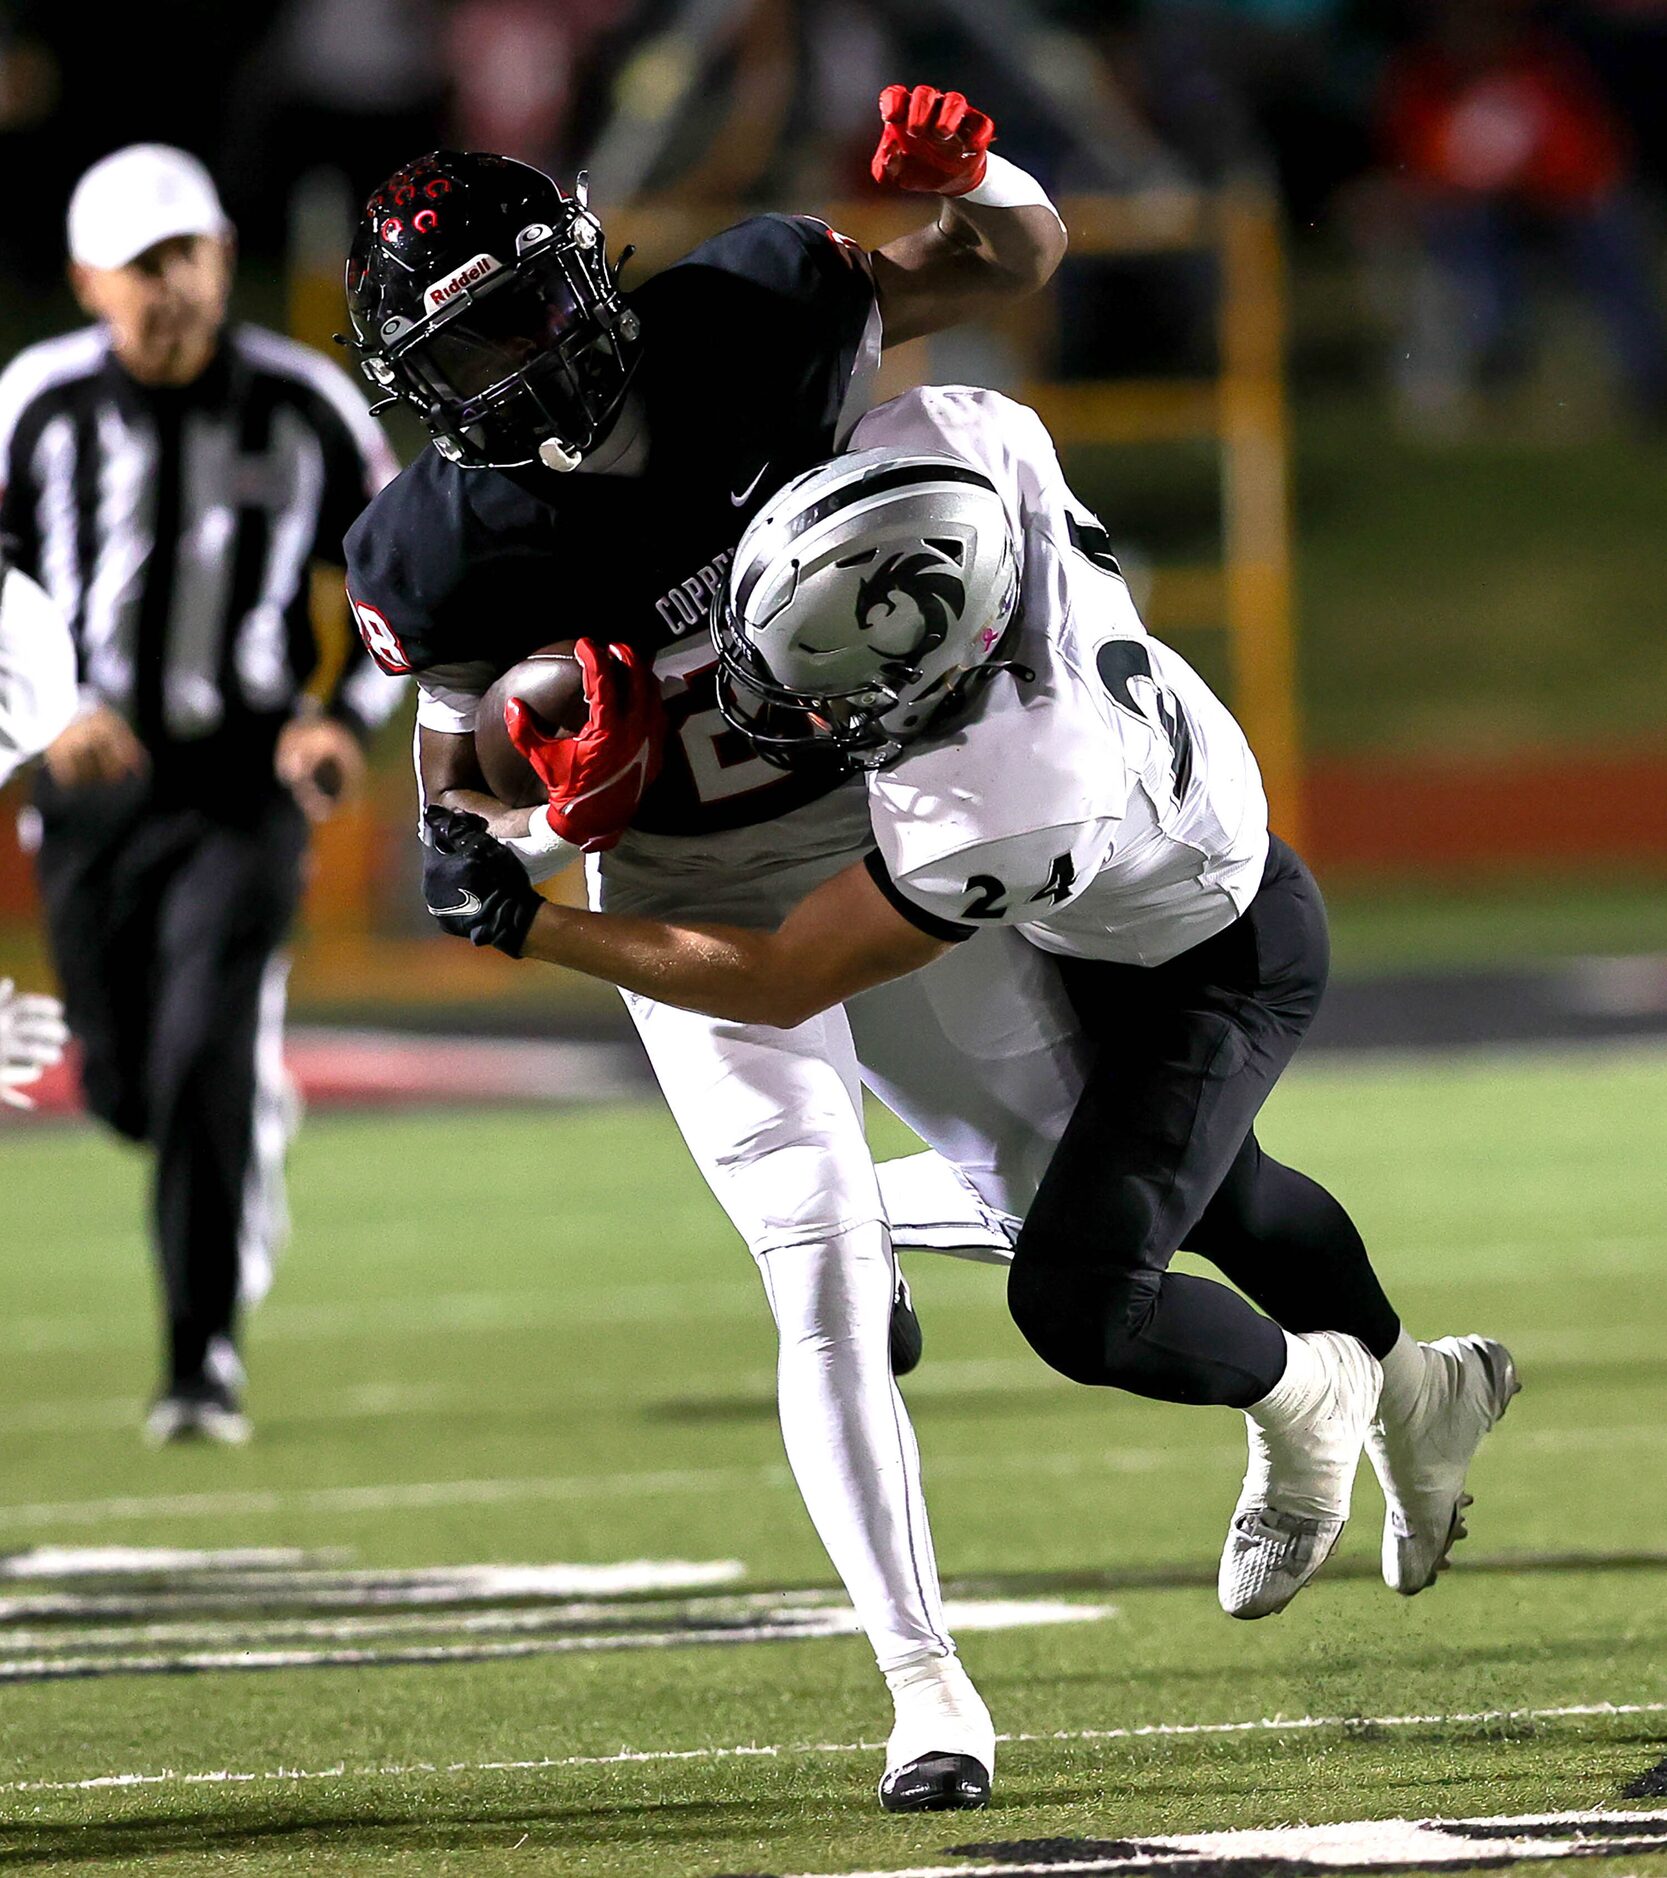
(503, 823)
(977, 254)
(1021, 248)
(451, 779)
(727, 972)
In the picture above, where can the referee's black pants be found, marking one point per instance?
(164, 921)
(1160, 1154)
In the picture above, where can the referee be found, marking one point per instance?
(172, 481)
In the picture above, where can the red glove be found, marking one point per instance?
(933, 140)
(597, 778)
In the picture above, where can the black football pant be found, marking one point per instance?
(163, 923)
(1160, 1155)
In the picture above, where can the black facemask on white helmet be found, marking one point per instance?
(861, 600)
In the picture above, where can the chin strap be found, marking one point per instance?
(556, 455)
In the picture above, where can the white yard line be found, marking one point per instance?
(799, 1624)
(203, 1662)
(433, 1592)
(631, 1757)
(200, 1582)
(258, 1564)
(792, 1612)
(1348, 1846)
(567, 1615)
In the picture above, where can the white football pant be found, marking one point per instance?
(978, 1053)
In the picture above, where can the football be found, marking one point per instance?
(551, 684)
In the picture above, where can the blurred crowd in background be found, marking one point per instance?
(1470, 157)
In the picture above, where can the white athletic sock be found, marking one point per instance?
(1297, 1390)
(937, 1711)
(1306, 1432)
(1405, 1369)
(848, 1437)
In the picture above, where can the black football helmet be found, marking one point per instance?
(481, 294)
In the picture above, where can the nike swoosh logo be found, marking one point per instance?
(466, 907)
(739, 498)
(636, 765)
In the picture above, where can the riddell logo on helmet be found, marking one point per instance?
(460, 280)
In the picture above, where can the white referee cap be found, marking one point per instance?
(136, 197)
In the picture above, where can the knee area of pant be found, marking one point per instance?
(1085, 1326)
(846, 1243)
(1131, 1298)
(851, 1269)
(1120, 1297)
(1048, 1309)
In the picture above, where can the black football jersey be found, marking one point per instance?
(750, 344)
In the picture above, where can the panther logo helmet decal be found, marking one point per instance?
(909, 602)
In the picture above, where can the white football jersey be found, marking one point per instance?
(37, 670)
(1109, 807)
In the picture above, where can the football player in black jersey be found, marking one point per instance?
(596, 456)
(483, 296)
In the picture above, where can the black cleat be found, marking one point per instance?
(907, 1339)
(936, 1783)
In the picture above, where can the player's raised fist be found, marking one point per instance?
(597, 778)
(932, 140)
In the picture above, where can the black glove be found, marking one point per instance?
(473, 885)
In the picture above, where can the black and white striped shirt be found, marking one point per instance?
(177, 530)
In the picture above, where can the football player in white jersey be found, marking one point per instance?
(940, 608)
(37, 699)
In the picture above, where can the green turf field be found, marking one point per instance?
(528, 1338)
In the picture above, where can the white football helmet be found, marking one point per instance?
(861, 598)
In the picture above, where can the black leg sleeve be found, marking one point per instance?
(1290, 1246)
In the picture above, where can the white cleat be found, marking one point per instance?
(206, 1411)
(942, 1752)
(1421, 1462)
(1295, 1497)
